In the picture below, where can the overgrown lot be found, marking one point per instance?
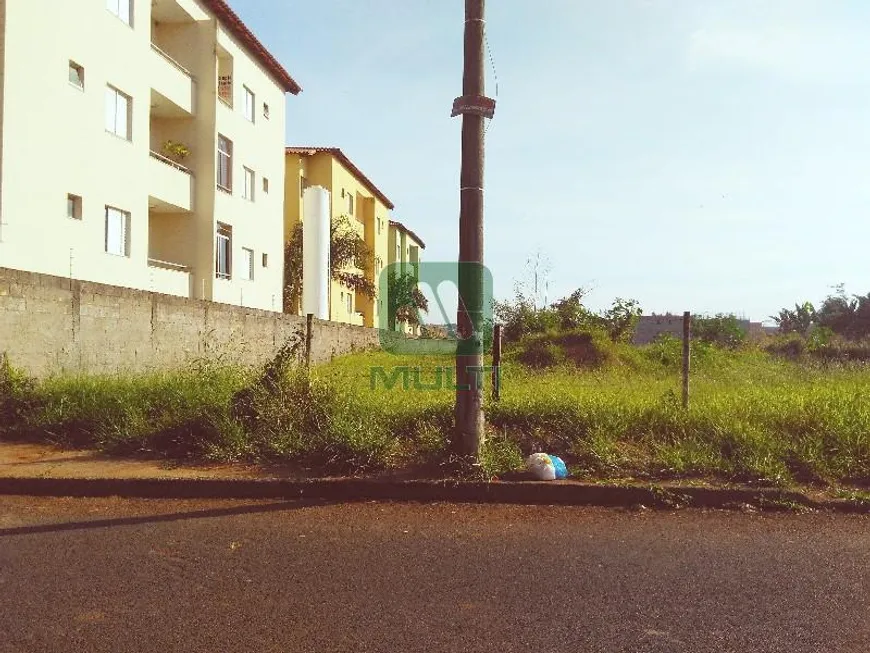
(754, 416)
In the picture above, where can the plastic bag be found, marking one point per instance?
(559, 466)
(541, 466)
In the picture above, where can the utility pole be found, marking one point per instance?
(474, 107)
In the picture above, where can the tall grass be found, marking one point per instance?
(752, 418)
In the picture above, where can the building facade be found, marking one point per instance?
(352, 196)
(142, 146)
(404, 248)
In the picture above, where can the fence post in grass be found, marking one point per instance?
(496, 362)
(309, 324)
(687, 337)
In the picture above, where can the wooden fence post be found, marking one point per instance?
(496, 363)
(309, 324)
(687, 338)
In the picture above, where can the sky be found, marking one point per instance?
(702, 155)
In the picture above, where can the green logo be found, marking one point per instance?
(406, 328)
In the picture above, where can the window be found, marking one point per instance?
(350, 204)
(117, 232)
(225, 164)
(249, 184)
(265, 260)
(303, 184)
(349, 299)
(265, 111)
(225, 77)
(249, 104)
(118, 110)
(76, 75)
(247, 264)
(123, 9)
(265, 185)
(224, 252)
(74, 207)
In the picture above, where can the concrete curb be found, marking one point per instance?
(527, 493)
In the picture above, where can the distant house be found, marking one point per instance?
(649, 327)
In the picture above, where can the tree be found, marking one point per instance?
(346, 249)
(800, 320)
(622, 318)
(405, 300)
(721, 329)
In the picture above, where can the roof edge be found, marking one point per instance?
(350, 165)
(229, 19)
(399, 225)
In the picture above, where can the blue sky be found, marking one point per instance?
(704, 155)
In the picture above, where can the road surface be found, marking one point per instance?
(118, 575)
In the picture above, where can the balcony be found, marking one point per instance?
(173, 87)
(169, 278)
(170, 186)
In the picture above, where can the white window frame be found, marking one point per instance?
(123, 9)
(119, 118)
(350, 204)
(117, 224)
(250, 104)
(265, 260)
(247, 264)
(266, 110)
(349, 303)
(250, 184)
(79, 70)
(266, 185)
(227, 154)
(224, 235)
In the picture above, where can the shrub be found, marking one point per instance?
(590, 348)
(17, 399)
(721, 330)
(792, 346)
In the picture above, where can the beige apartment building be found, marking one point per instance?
(142, 146)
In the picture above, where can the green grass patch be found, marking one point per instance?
(754, 417)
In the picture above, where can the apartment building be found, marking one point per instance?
(404, 248)
(354, 196)
(142, 146)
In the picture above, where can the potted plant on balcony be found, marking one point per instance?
(176, 151)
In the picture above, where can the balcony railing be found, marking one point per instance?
(170, 162)
(170, 278)
(168, 265)
(163, 54)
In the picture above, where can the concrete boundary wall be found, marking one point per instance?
(53, 325)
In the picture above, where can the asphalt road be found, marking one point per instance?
(116, 575)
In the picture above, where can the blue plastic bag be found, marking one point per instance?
(560, 467)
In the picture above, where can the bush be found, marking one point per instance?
(720, 330)
(17, 399)
(583, 348)
(792, 346)
(540, 352)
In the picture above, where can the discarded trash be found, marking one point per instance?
(560, 467)
(545, 467)
(541, 467)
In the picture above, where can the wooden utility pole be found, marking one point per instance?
(474, 107)
(687, 339)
